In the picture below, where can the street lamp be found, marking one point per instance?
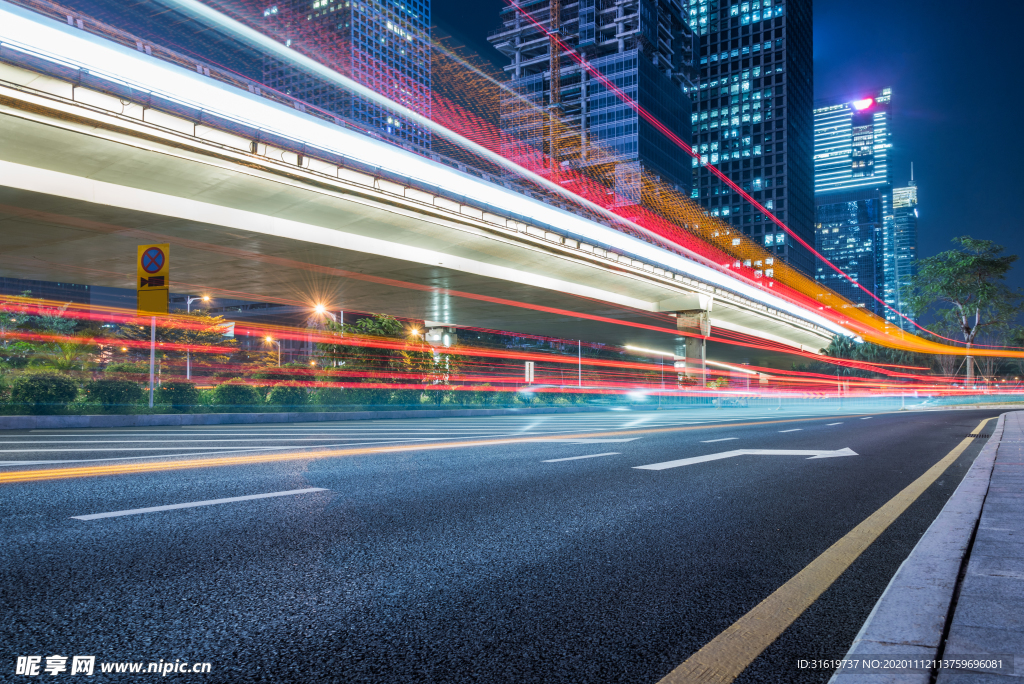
(189, 301)
(271, 340)
(188, 351)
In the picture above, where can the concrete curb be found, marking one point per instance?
(909, 618)
(185, 419)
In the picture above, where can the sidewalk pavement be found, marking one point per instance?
(938, 606)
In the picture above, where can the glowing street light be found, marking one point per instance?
(271, 340)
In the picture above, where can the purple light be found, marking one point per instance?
(863, 104)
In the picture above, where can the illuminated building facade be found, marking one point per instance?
(643, 46)
(382, 44)
(853, 197)
(752, 117)
(904, 209)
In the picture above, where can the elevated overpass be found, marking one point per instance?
(103, 147)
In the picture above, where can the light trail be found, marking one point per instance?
(46, 474)
(806, 307)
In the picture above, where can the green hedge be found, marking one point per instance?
(181, 395)
(116, 395)
(235, 396)
(45, 393)
(288, 396)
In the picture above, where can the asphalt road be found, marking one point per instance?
(503, 549)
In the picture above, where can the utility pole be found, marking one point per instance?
(152, 357)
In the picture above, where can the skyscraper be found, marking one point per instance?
(853, 199)
(904, 206)
(644, 46)
(752, 117)
(384, 45)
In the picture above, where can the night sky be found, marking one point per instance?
(958, 99)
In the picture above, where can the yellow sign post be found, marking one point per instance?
(153, 278)
(153, 285)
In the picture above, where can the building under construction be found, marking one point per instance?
(557, 106)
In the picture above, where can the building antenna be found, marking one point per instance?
(912, 183)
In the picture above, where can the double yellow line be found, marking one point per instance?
(37, 475)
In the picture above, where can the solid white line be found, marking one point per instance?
(793, 430)
(723, 439)
(576, 458)
(829, 424)
(211, 502)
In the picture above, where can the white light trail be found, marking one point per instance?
(35, 34)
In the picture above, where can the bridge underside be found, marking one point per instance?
(78, 193)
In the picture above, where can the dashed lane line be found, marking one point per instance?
(577, 458)
(196, 504)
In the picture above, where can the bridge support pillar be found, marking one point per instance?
(691, 349)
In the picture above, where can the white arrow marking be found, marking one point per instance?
(751, 452)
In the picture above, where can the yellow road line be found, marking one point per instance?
(36, 475)
(728, 654)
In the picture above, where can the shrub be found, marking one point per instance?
(181, 395)
(44, 392)
(133, 368)
(329, 396)
(288, 396)
(367, 396)
(405, 397)
(117, 395)
(235, 395)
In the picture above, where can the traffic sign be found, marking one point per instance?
(153, 278)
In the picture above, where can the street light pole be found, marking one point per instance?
(188, 351)
(271, 340)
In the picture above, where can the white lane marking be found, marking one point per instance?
(830, 424)
(793, 430)
(723, 439)
(194, 504)
(576, 458)
(742, 452)
(868, 418)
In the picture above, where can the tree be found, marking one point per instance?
(378, 364)
(966, 289)
(842, 347)
(62, 348)
(191, 334)
(13, 315)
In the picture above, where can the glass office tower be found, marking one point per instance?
(853, 196)
(752, 117)
(384, 45)
(643, 46)
(904, 207)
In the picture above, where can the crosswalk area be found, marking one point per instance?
(49, 447)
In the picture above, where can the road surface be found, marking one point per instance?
(503, 549)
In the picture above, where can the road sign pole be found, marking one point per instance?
(152, 356)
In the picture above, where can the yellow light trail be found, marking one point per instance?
(39, 475)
